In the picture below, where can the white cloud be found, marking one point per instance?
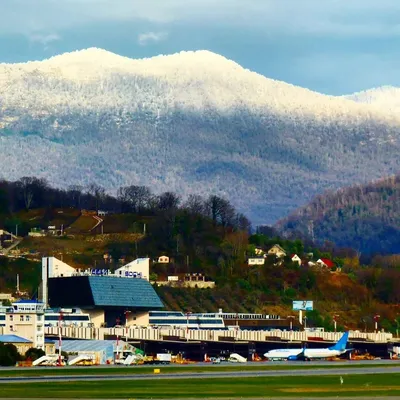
(151, 37)
(44, 39)
(315, 17)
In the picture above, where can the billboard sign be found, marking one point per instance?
(303, 305)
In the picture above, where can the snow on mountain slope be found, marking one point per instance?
(386, 98)
(192, 122)
(189, 80)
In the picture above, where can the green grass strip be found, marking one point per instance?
(267, 387)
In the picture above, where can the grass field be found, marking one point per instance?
(172, 370)
(267, 387)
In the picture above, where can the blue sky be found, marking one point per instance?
(331, 46)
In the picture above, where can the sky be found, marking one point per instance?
(331, 46)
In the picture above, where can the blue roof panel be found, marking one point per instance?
(123, 292)
(13, 339)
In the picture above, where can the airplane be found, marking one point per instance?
(308, 354)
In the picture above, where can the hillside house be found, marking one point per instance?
(256, 261)
(259, 252)
(277, 251)
(163, 260)
(192, 280)
(296, 259)
(326, 263)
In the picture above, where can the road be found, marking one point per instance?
(203, 375)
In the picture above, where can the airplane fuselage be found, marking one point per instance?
(284, 354)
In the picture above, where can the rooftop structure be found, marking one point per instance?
(122, 297)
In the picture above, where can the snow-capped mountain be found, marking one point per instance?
(386, 98)
(192, 122)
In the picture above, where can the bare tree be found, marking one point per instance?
(98, 192)
(138, 197)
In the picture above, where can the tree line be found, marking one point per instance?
(31, 192)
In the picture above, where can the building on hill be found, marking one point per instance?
(256, 261)
(163, 260)
(122, 297)
(277, 250)
(192, 280)
(326, 263)
(296, 259)
(259, 252)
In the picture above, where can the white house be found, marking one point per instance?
(256, 261)
(295, 258)
(277, 251)
(259, 252)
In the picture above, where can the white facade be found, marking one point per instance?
(26, 319)
(256, 261)
(163, 260)
(53, 268)
(139, 268)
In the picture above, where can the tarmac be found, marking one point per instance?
(196, 375)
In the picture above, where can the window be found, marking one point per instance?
(21, 317)
(11, 317)
(27, 318)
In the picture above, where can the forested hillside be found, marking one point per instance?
(363, 217)
(205, 235)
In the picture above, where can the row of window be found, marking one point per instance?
(202, 321)
(67, 317)
(22, 318)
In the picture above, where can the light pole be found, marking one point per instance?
(291, 318)
(117, 322)
(305, 322)
(187, 325)
(126, 324)
(376, 319)
(335, 317)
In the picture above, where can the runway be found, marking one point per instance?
(203, 375)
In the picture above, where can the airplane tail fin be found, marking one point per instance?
(342, 343)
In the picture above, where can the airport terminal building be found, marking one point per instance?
(123, 297)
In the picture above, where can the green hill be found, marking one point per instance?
(362, 217)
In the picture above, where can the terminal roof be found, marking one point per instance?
(103, 291)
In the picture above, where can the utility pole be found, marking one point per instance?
(60, 317)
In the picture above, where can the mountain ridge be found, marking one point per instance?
(173, 122)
